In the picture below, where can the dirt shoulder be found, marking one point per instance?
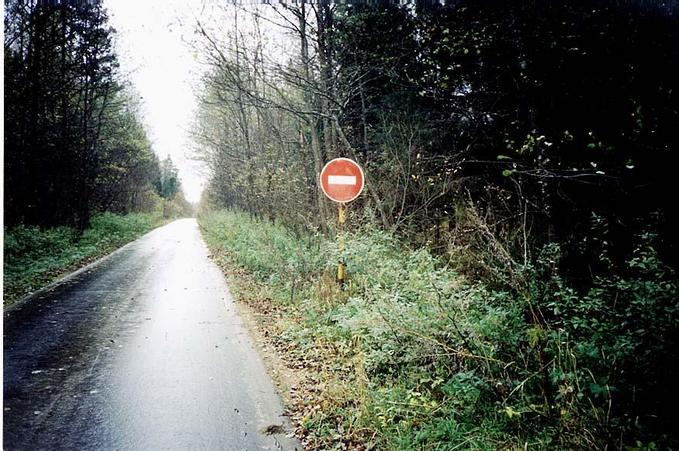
(265, 323)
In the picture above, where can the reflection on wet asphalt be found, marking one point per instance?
(142, 351)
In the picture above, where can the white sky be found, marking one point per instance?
(154, 57)
(153, 43)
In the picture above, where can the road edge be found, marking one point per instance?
(289, 382)
(52, 285)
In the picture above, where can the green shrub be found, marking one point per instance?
(624, 337)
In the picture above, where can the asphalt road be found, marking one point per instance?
(144, 350)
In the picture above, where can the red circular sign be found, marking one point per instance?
(342, 180)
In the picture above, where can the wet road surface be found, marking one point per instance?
(142, 351)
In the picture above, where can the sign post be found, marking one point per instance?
(342, 181)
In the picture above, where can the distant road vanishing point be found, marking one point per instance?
(143, 350)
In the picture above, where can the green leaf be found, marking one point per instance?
(511, 413)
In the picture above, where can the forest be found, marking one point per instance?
(513, 257)
(512, 262)
(74, 145)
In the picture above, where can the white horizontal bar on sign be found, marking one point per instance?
(341, 180)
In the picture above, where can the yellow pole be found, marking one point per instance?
(341, 266)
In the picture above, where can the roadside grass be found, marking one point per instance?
(411, 355)
(408, 356)
(35, 257)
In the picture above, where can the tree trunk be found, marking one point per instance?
(314, 123)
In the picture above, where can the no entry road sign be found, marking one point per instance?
(342, 180)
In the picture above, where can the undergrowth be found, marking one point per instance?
(34, 257)
(410, 355)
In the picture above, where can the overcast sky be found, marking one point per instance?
(152, 52)
(153, 46)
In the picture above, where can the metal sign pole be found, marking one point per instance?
(341, 265)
